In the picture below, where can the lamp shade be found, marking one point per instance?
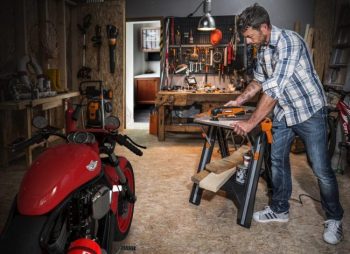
(215, 37)
(206, 23)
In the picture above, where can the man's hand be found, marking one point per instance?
(232, 104)
(252, 89)
(242, 127)
(265, 105)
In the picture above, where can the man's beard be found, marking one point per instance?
(263, 41)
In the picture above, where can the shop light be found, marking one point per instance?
(207, 22)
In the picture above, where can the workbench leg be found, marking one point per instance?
(5, 135)
(196, 193)
(48, 117)
(246, 208)
(222, 143)
(267, 174)
(64, 108)
(161, 124)
(29, 115)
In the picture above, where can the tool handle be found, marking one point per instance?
(112, 59)
(266, 126)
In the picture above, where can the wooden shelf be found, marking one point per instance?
(28, 106)
(203, 45)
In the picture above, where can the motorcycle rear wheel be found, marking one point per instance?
(125, 209)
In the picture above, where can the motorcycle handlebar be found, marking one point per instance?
(26, 143)
(76, 112)
(124, 142)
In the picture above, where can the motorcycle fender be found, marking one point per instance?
(55, 174)
(113, 180)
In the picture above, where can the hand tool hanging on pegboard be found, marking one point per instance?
(97, 43)
(84, 72)
(112, 33)
(164, 56)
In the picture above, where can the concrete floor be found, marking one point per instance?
(165, 222)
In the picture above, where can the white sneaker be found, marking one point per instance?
(267, 215)
(333, 231)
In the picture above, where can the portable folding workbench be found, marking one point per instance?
(243, 195)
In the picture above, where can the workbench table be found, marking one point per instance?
(167, 99)
(243, 195)
(28, 106)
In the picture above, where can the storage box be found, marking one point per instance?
(153, 123)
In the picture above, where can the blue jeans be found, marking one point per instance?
(314, 134)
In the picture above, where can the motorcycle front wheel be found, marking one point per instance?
(125, 209)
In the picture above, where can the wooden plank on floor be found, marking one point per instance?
(219, 166)
(199, 176)
(213, 182)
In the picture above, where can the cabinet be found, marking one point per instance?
(146, 89)
(150, 39)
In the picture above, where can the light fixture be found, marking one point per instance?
(207, 22)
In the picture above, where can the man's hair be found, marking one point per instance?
(253, 17)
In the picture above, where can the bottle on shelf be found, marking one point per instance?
(191, 37)
(178, 36)
(186, 37)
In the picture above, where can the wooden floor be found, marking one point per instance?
(165, 222)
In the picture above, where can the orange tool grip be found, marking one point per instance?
(266, 126)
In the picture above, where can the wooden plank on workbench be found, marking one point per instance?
(183, 128)
(189, 98)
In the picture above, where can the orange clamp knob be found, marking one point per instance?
(266, 126)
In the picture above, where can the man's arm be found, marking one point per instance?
(264, 107)
(252, 89)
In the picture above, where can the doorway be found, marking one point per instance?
(137, 64)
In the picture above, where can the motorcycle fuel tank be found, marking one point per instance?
(54, 175)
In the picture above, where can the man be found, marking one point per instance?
(292, 89)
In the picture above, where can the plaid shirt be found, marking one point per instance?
(285, 70)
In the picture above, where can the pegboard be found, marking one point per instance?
(186, 25)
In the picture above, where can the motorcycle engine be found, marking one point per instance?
(101, 201)
(81, 218)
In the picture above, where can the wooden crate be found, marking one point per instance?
(153, 123)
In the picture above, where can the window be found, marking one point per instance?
(150, 38)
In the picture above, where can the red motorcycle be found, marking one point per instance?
(76, 197)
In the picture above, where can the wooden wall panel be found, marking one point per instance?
(8, 41)
(324, 24)
(108, 12)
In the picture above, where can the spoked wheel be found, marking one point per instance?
(125, 209)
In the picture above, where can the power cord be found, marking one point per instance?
(301, 202)
(197, 8)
